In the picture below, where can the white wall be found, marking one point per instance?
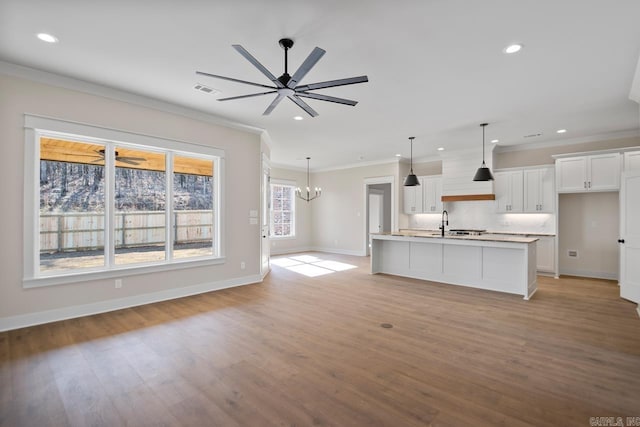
(589, 224)
(242, 192)
(302, 241)
(339, 215)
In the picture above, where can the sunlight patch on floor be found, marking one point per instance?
(311, 266)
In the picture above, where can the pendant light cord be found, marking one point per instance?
(483, 126)
(411, 138)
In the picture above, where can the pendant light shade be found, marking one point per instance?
(411, 180)
(483, 173)
(308, 195)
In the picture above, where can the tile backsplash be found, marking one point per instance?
(482, 215)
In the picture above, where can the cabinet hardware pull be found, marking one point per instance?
(589, 184)
(585, 184)
(620, 240)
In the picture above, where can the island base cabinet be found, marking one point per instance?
(502, 267)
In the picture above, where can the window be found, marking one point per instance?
(104, 201)
(283, 209)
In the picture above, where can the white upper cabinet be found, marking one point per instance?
(509, 191)
(539, 193)
(599, 172)
(632, 161)
(424, 198)
(432, 194)
(413, 199)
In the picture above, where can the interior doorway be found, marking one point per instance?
(379, 211)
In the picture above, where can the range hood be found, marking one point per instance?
(458, 169)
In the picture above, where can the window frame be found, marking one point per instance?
(293, 186)
(38, 126)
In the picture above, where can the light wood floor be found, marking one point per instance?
(302, 351)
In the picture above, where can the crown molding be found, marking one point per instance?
(288, 167)
(58, 80)
(630, 133)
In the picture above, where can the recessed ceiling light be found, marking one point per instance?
(494, 141)
(398, 155)
(440, 148)
(561, 131)
(47, 38)
(513, 48)
(298, 118)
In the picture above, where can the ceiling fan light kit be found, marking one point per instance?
(411, 180)
(308, 197)
(287, 86)
(483, 173)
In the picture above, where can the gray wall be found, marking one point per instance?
(242, 193)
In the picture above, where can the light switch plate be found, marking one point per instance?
(253, 214)
(253, 221)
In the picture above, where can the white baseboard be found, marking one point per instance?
(590, 274)
(285, 251)
(337, 251)
(31, 319)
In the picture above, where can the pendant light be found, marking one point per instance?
(309, 197)
(411, 180)
(483, 173)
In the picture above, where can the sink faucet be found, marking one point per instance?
(445, 214)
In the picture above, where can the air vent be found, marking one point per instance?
(206, 89)
(532, 135)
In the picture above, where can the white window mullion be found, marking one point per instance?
(170, 223)
(109, 206)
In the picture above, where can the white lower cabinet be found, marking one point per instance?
(546, 254)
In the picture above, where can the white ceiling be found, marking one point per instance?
(436, 68)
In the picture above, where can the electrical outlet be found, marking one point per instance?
(242, 265)
(572, 253)
(118, 283)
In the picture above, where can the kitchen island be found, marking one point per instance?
(490, 261)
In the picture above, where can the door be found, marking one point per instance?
(265, 218)
(630, 237)
(376, 213)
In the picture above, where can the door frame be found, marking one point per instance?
(622, 277)
(390, 179)
(265, 215)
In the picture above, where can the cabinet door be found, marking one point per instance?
(410, 200)
(419, 196)
(547, 200)
(502, 187)
(437, 184)
(432, 194)
(632, 161)
(571, 174)
(604, 172)
(539, 193)
(517, 191)
(545, 250)
(532, 190)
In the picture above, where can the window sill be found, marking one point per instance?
(124, 271)
(282, 237)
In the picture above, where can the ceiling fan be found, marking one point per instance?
(287, 86)
(124, 159)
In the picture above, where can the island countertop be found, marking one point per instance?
(487, 237)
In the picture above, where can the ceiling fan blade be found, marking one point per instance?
(273, 104)
(233, 80)
(303, 105)
(135, 159)
(247, 96)
(327, 98)
(333, 83)
(307, 65)
(242, 51)
(125, 160)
